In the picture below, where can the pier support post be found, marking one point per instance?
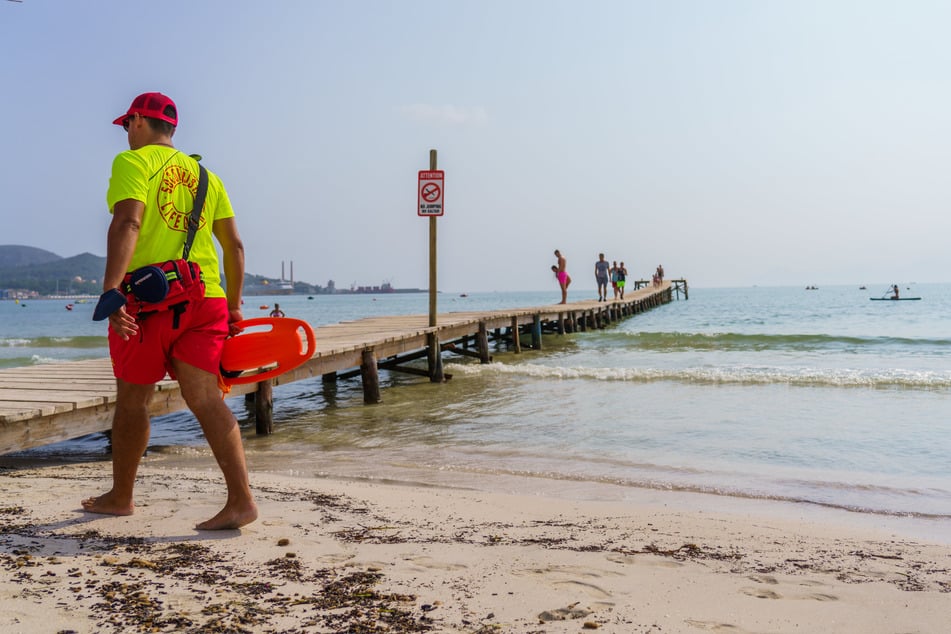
(264, 409)
(435, 358)
(537, 332)
(371, 378)
(329, 377)
(483, 344)
(516, 342)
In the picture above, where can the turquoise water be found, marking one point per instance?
(818, 397)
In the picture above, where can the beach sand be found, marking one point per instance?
(342, 556)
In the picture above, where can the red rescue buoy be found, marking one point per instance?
(266, 347)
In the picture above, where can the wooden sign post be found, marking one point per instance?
(430, 203)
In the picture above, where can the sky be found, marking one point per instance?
(735, 142)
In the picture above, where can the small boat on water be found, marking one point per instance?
(892, 295)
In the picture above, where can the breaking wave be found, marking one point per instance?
(743, 375)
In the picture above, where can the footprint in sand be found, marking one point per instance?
(574, 571)
(432, 564)
(712, 626)
(760, 593)
(591, 589)
(338, 558)
(647, 560)
(763, 593)
(767, 579)
(811, 582)
(574, 578)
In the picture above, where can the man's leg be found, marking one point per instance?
(130, 439)
(201, 393)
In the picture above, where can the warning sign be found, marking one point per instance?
(431, 185)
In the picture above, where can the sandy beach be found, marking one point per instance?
(342, 556)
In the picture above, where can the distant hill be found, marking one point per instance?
(47, 273)
(16, 255)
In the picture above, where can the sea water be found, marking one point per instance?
(816, 397)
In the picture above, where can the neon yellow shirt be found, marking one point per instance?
(166, 181)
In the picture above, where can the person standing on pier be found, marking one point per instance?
(614, 273)
(561, 272)
(621, 279)
(601, 268)
(151, 194)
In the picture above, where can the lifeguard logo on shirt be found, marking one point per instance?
(175, 217)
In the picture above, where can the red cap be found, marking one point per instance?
(154, 105)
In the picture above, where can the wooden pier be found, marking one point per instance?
(43, 404)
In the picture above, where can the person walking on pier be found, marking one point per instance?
(151, 194)
(601, 268)
(614, 273)
(621, 279)
(561, 272)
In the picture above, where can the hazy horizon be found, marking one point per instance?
(575, 287)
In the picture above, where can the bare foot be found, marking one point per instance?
(230, 518)
(107, 504)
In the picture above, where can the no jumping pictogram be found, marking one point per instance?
(431, 192)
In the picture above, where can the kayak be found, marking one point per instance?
(894, 299)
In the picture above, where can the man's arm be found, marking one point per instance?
(120, 246)
(226, 232)
(121, 240)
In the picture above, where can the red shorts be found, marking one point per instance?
(198, 341)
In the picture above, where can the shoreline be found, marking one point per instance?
(328, 554)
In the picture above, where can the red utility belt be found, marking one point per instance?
(163, 285)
